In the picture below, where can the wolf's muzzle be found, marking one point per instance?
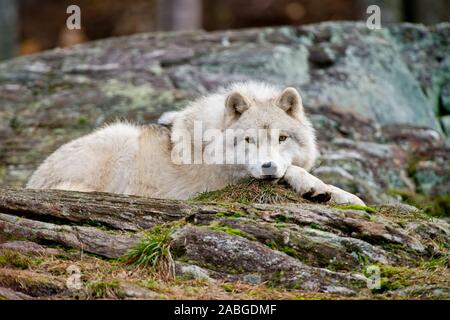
(269, 168)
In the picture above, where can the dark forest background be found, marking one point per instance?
(30, 26)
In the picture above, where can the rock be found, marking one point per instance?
(378, 100)
(373, 96)
(192, 271)
(432, 292)
(28, 247)
(133, 291)
(290, 244)
(445, 122)
(9, 294)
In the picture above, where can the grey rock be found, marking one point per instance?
(378, 98)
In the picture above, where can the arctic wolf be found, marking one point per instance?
(267, 126)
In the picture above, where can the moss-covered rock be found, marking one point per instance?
(375, 97)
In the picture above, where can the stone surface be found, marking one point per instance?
(373, 96)
(288, 246)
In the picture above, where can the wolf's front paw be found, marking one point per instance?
(340, 196)
(310, 187)
(314, 189)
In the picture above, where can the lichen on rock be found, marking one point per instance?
(379, 101)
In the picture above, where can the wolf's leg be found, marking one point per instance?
(312, 187)
(340, 196)
(306, 184)
(69, 186)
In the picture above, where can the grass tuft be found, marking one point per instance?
(105, 289)
(251, 191)
(153, 251)
(17, 260)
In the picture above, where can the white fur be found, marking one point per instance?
(129, 159)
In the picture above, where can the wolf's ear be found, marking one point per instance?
(236, 104)
(291, 102)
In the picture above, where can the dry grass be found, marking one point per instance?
(104, 279)
(252, 191)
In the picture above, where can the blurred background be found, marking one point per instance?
(30, 26)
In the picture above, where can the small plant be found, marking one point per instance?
(289, 251)
(17, 260)
(357, 207)
(286, 249)
(442, 262)
(228, 287)
(315, 226)
(154, 251)
(363, 259)
(105, 289)
(271, 244)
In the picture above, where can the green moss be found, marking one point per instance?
(151, 284)
(435, 206)
(275, 279)
(431, 272)
(229, 214)
(280, 218)
(17, 260)
(82, 121)
(388, 285)
(398, 249)
(392, 278)
(335, 264)
(357, 207)
(411, 167)
(289, 251)
(283, 248)
(315, 226)
(231, 231)
(228, 287)
(105, 289)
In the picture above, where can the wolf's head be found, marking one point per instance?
(263, 128)
(272, 128)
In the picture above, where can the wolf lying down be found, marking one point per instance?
(139, 160)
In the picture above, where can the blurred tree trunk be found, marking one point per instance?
(178, 15)
(391, 10)
(8, 29)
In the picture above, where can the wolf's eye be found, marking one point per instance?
(249, 140)
(282, 138)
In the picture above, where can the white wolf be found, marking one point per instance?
(141, 160)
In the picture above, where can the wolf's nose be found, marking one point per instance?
(267, 165)
(269, 168)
